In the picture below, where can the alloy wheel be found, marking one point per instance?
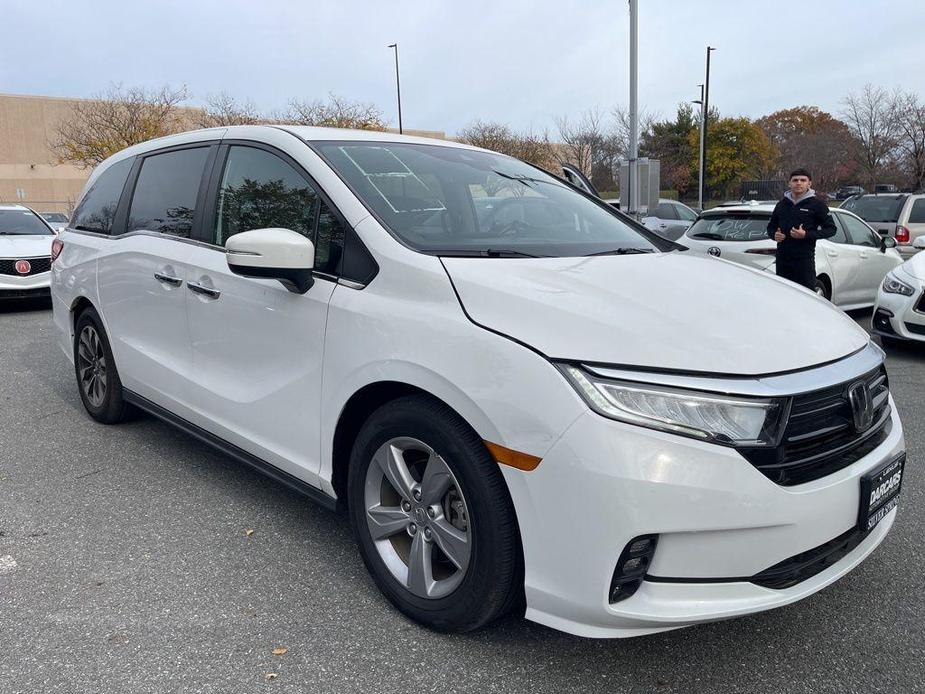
(417, 517)
(91, 365)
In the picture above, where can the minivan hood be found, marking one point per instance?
(23, 246)
(659, 311)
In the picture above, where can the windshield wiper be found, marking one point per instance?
(481, 253)
(625, 250)
(526, 180)
(708, 235)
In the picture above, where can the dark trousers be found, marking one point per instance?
(799, 270)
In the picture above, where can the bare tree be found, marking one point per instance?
(336, 112)
(582, 138)
(872, 119)
(222, 109)
(910, 137)
(99, 127)
(528, 146)
(621, 117)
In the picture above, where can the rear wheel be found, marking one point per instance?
(432, 516)
(97, 378)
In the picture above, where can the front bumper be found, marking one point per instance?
(604, 483)
(896, 316)
(31, 286)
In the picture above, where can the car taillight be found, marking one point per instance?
(762, 251)
(56, 246)
(902, 234)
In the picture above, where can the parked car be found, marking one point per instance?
(901, 216)
(886, 188)
(568, 414)
(56, 220)
(849, 266)
(25, 253)
(899, 313)
(670, 219)
(846, 192)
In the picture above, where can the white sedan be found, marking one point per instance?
(899, 313)
(849, 266)
(25, 253)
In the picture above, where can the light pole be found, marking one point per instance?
(632, 177)
(397, 85)
(703, 128)
(700, 158)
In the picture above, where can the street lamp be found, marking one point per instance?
(703, 128)
(397, 85)
(700, 157)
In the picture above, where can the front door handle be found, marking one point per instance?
(205, 291)
(832, 254)
(167, 279)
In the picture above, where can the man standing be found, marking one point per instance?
(797, 221)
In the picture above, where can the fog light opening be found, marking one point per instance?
(882, 321)
(632, 567)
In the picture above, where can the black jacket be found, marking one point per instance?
(816, 219)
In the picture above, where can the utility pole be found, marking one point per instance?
(703, 128)
(397, 85)
(633, 154)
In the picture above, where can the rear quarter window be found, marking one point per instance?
(97, 208)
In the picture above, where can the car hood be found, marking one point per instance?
(25, 246)
(915, 266)
(660, 311)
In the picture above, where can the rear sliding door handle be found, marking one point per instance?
(205, 291)
(167, 279)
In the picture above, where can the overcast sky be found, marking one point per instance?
(523, 63)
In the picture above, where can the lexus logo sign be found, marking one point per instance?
(23, 267)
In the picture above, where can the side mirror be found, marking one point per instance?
(887, 242)
(275, 254)
(919, 243)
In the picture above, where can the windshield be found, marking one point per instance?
(876, 208)
(22, 223)
(449, 200)
(730, 227)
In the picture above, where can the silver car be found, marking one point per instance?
(900, 215)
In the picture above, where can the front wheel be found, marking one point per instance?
(822, 289)
(432, 516)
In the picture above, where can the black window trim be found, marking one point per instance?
(205, 237)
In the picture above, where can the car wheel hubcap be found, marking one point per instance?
(91, 366)
(417, 517)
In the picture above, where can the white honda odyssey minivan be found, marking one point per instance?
(522, 399)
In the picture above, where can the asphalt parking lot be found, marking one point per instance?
(127, 565)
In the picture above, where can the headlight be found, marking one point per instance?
(726, 420)
(893, 285)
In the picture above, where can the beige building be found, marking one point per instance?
(29, 170)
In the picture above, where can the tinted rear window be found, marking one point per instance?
(730, 228)
(97, 208)
(877, 208)
(165, 195)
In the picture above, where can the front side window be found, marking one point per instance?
(859, 233)
(97, 208)
(166, 191)
(666, 210)
(22, 223)
(456, 201)
(730, 227)
(261, 191)
(684, 214)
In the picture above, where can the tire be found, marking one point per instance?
(472, 582)
(822, 289)
(95, 369)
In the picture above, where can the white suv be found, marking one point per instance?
(530, 401)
